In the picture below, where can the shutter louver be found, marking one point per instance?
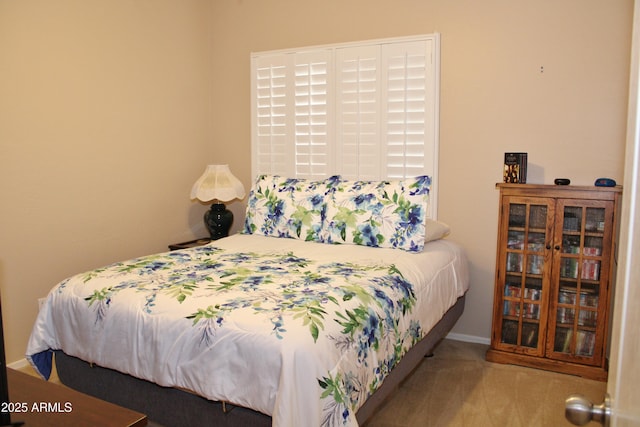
(406, 109)
(311, 115)
(271, 128)
(358, 115)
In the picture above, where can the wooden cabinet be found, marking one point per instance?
(554, 277)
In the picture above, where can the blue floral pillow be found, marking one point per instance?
(287, 207)
(386, 214)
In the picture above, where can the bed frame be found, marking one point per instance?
(175, 407)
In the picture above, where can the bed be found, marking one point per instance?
(332, 293)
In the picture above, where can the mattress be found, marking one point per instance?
(301, 331)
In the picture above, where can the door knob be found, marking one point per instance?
(579, 410)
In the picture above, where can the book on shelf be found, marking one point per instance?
(590, 269)
(511, 308)
(589, 299)
(515, 168)
(529, 335)
(588, 318)
(567, 296)
(585, 342)
(584, 345)
(512, 290)
(509, 332)
(565, 315)
(532, 293)
(562, 340)
(531, 311)
(569, 268)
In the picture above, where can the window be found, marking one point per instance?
(367, 110)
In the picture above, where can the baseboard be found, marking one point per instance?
(468, 338)
(19, 364)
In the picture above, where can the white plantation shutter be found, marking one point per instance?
(311, 119)
(358, 116)
(408, 112)
(367, 110)
(272, 105)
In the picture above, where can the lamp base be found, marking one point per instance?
(218, 220)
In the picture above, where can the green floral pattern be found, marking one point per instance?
(388, 214)
(287, 207)
(360, 310)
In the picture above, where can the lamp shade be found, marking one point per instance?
(217, 183)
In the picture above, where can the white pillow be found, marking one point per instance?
(435, 230)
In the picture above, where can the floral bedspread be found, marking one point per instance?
(303, 337)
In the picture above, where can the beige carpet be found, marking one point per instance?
(458, 388)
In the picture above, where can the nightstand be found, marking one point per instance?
(189, 244)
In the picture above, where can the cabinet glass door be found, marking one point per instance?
(577, 306)
(524, 272)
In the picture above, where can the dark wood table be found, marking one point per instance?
(190, 244)
(42, 403)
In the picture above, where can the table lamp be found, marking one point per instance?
(217, 183)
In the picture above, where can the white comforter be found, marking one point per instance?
(303, 332)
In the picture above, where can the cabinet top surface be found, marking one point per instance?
(550, 188)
